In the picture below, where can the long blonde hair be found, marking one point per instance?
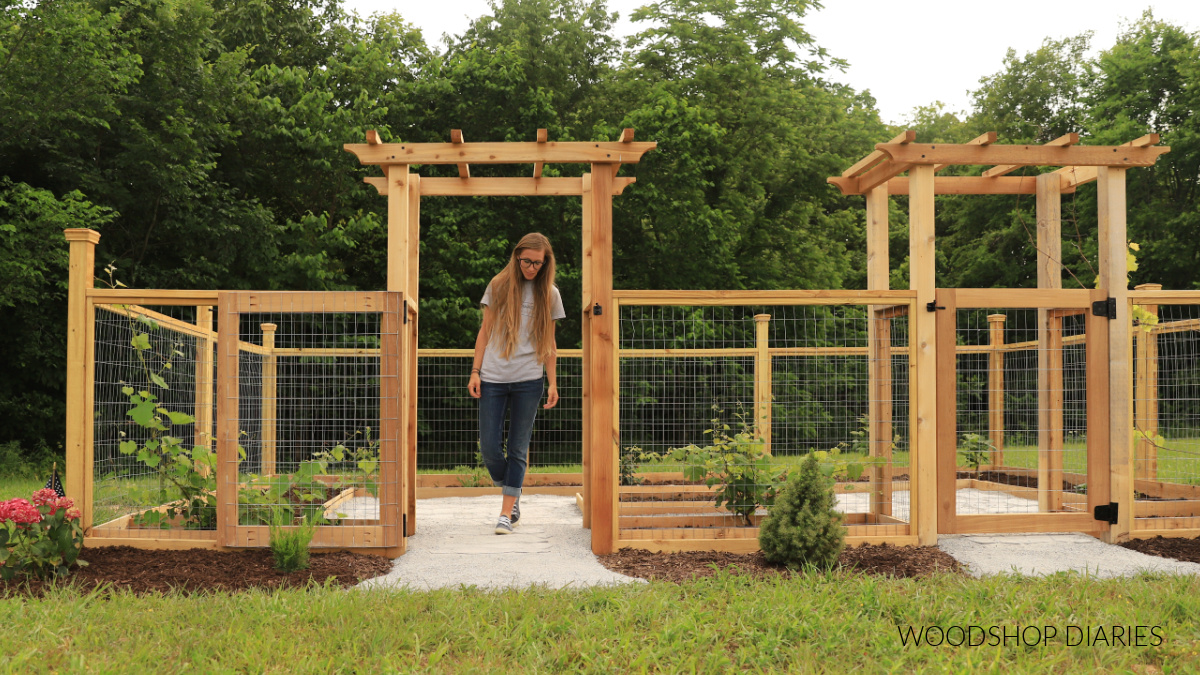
(506, 300)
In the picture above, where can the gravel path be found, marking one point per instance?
(1042, 554)
(455, 546)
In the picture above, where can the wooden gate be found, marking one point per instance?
(1023, 429)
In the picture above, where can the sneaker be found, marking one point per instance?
(503, 525)
(516, 512)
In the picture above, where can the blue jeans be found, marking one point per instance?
(520, 400)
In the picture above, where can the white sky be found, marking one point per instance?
(906, 54)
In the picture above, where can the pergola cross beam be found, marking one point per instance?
(1080, 162)
(1063, 141)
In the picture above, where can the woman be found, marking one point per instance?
(514, 347)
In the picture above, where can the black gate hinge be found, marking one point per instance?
(597, 310)
(932, 306)
(1107, 512)
(1105, 308)
(405, 313)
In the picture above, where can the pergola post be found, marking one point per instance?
(924, 333)
(603, 433)
(80, 426)
(1050, 346)
(879, 361)
(586, 361)
(1110, 184)
(399, 273)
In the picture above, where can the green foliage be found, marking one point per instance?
(267, 500)
(803, 527)
(289, 545)
(478, 475)
(631, 459)
(850, 459)
(976, 450)
(362, 458)
(738, 464)
(186, 476)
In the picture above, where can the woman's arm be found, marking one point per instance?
(552, 372)
(481, 341)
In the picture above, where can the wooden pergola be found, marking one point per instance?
(879, 175)
(596, 189)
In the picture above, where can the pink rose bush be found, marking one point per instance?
(40, 536)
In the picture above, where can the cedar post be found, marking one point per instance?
(409, 370)
(203, 436)
(602, 367)
(1050, 351)
(1145, 396)
(924, 334)
(1114, 246)
(399, 194)
(762, 381)
(586, 360)
(80, 373)
(879, 362)
(270, 401)
(996, 387)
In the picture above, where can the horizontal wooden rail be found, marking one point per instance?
(133, 296)
(1023, 298)
(630, 297)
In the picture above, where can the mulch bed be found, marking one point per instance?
(882, 560)
(1187, 550)
(147, 571)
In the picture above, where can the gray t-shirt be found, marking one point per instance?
(522, 364)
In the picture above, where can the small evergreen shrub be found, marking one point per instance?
(803, 528)
(289, 546)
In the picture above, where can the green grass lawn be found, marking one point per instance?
(1178, 459)
(838, 622)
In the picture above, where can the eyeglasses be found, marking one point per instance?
(532, 263)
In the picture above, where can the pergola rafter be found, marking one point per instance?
(889, 160)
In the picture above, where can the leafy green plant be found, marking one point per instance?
(41, 537)
(631, 459)
(976, 450)
(186, 476)
(362, 457)
(737, 463)
(478, 475)
(289, 545)
(849, 460)
(803, 527)
(268, 500)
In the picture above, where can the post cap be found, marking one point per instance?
(82, 234)
(997, 317)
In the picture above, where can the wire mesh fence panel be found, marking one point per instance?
(317, 400)
(448, 419)
(719, 404)
(1166, 429)
(1021, 394)
(152, 429)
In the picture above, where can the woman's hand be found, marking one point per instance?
(473, 385)
(551, 397)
